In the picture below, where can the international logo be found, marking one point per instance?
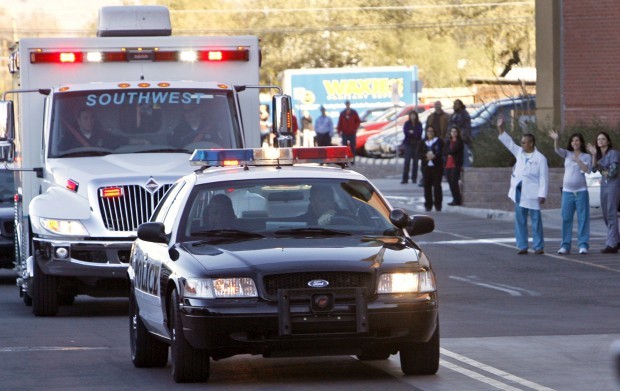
(151, 185)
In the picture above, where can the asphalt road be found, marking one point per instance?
(508, 321)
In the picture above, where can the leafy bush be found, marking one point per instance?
(488, 151)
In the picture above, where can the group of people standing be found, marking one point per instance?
(441, 148)
(320, 132)
(529, 187)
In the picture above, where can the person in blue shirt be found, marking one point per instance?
(324, 129)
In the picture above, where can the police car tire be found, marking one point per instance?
(45, 293)
(421, 358)
(189, 365)
(146, 350)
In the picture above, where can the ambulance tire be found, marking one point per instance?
(45, 293)
(189, 365)
(27, 299)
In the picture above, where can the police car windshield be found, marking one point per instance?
(286, 206)
(96, 123)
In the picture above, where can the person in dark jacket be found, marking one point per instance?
(431, 152)
(461, 119)
(413, 134)
(454, 163)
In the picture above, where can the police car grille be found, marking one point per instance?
(300, 281)
(134, 207)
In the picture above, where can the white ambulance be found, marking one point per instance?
(97, 129)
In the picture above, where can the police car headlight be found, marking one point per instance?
(420, 282)
(64, 227)
(216, 288)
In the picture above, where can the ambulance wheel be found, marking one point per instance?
(45, 293)
(27, 299)
(146, 350)
(189, 365)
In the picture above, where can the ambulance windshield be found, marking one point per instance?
(95, 123)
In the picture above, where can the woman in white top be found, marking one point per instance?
(577, 163)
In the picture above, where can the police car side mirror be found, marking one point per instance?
(399, 218)
(152, 232)
(420, 225)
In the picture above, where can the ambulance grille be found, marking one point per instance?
(132, 208)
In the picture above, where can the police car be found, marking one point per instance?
(258, 252)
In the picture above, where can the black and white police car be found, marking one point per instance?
(258, 253)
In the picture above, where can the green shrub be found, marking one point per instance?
(488, 151)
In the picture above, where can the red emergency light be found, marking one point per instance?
(139, 54)
(224, 55)
(72, 185)
(111, 192)
(56, 57)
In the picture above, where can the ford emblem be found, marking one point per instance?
(318, 283)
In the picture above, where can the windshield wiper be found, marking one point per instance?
(85, 154)
(229, 233)
(164, 150)
(312, 230)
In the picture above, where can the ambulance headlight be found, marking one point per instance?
(216, 288)
(64, 227)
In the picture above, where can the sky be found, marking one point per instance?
(73, 14)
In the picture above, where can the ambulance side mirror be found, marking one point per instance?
(282, 120)
(7, 131)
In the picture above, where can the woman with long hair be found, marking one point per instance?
(606, 160)
(575, 198)
(454, 163)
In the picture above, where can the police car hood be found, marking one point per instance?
(120, 168)
(282, 255)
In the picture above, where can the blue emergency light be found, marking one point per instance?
(270, 156)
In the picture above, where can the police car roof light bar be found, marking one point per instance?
(270, 156)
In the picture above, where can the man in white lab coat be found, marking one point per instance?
(529, 184)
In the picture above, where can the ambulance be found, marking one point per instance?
(97, 129)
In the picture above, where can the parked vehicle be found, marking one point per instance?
(593, 181)
(370, 129)
(518, 112)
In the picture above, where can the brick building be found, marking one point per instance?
(577, 57)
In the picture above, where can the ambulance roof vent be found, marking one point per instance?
(134, 21)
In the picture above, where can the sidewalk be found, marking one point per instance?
(386, 175)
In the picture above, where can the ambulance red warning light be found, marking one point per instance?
(139, 54)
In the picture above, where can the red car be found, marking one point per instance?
(371, 128)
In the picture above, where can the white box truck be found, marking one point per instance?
(97, 129)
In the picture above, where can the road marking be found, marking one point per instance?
(503, 242)
(46, 348)
(477, 376)
(511, 290)
(495, 371)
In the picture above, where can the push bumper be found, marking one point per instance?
(297, 328)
